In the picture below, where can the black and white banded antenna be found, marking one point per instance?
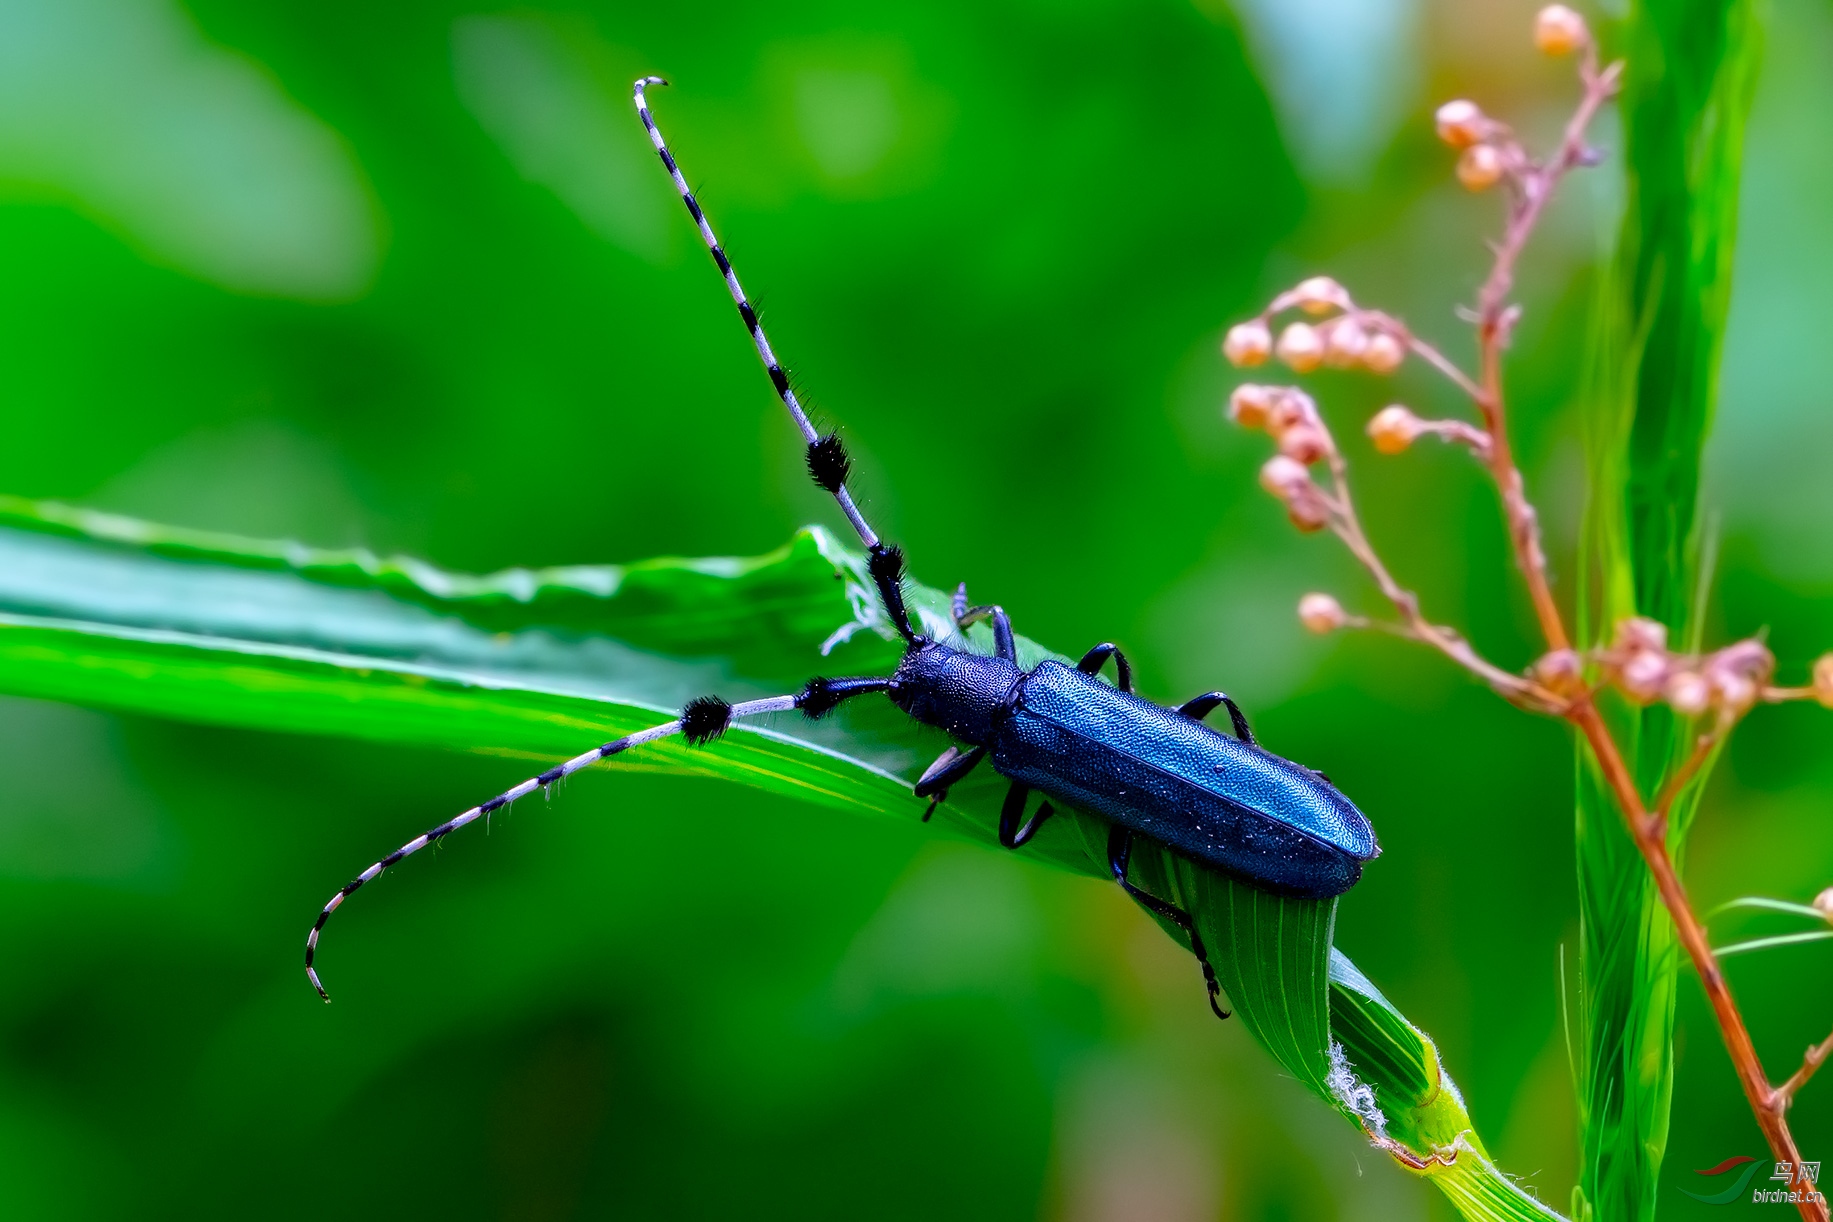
(827, 457)
(701, 722)
(705, 719)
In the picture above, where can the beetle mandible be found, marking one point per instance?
(1154, 773)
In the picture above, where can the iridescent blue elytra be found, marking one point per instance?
(1219, 801)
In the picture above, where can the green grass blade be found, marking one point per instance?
(1687, 91)
(131, 616)
(1784, 939)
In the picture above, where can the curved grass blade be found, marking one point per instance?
(1662, 326)
(128, 615)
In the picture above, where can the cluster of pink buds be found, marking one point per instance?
(1488, 149)
(1463, 125)
(1639, 664)
(1290, 417)
(1351, 340)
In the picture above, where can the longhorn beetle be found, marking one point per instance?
(1154, 773)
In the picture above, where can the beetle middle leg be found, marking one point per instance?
(950, 766)
(1202, 706)
(1119, 855)
(1092, 661)
(1011, 835)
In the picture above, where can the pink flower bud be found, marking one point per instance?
(1737, 673)
(1638, 633)
(1688, 694)
(1643, 675)
(1480, 168)
(1301, 347)
(1823, 680)
(1248, 405)
(1824, 902)
(1321, 613)
(1561, 670)
(1320, 295)
(1344, 343)
(1288, 408)
(1383, 354)
(1461, 124)
(1393, 429)
(1305, 443)
(1559, 31)
(1283, 476)
(1308, 512)
(1247, 344)
(1289, 480)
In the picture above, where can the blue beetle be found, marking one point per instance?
(1150, 771)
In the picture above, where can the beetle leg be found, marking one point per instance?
(1011, 835)
(1092, 660)
(966, 617)
(1205, 704)
(949, 767)
(1119, 855)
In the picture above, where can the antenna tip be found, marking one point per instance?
(312, 975)
(643, 82)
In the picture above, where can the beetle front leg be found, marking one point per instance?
(1004, 644)
(1119, 856)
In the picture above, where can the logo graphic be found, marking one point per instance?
(1799, 1180)
(1732, 1191)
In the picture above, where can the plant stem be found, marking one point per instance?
(1348, 527)
(1816, 1056)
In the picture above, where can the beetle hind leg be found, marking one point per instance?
(1119, 856)
(1202, 706)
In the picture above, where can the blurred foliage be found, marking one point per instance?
(1000, 242)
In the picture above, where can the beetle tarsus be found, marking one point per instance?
(1119, 857)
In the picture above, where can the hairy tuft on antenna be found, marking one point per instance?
(828, 462)
(819, 699)
(705, 719)
(887, 564)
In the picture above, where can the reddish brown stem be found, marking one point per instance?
(1815, 1058)
(1768, 1104)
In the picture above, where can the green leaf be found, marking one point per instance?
(1691, 65)
(127, 615)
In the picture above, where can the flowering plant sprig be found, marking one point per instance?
(1712, 692)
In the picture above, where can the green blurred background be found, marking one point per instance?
(406, 276)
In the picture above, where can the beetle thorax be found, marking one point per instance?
(964, 694)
